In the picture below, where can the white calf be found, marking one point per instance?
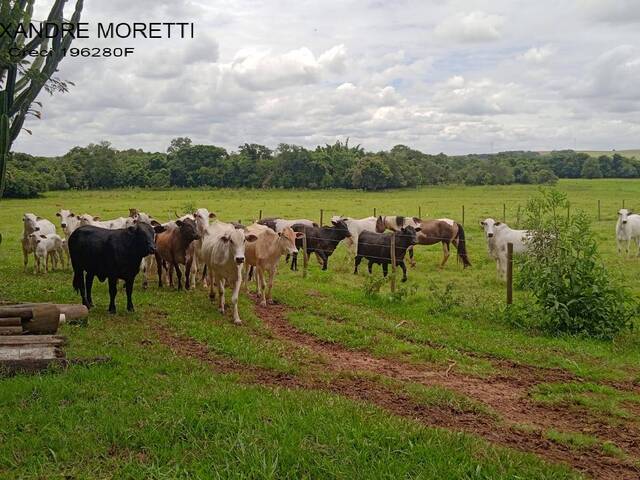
(498, 235)
(116, 223)
(223, 251)
(48, 247)
(627, 229)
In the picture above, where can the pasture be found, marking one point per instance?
(331, 381)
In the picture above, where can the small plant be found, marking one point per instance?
(573, 292)
(373, 284)
(444, 299)
(403, 292)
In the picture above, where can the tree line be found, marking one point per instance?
(185, 165)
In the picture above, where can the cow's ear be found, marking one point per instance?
(43, 236)
(58, 214)
(334, 223)
(299, 234)
(483, 224)
(179, 223)
(212, 215)
(158, 228)
(250, 238)
(497, 224)
(418, 229)
(95, 219)
(416, 220)
(72, 214)
(154, 223)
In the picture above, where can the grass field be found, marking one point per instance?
(329, 382)
(625, 153)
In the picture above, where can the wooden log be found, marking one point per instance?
(11, 330)
(10, 322)
(45, 320)
(23, 310)
(21, 340)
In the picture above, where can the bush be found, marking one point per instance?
(573, 291)
(22, 184)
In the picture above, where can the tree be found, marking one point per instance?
(178, 144)
(591, 168)
(23, 77)
(371, 173)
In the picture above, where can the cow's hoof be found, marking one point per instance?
(237, 321)
(131, 309)
(112, 311)
(404, 280)
(263, 304)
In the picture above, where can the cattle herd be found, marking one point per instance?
(220, 255)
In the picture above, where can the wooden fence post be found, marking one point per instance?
(374, 212)
(260, 218)
(419, 211)
(504, 213)
(305, 258)
(509, 273)
(599, 218)
(321, 216)
(393, 263)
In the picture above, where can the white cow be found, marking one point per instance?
(223, 250)
(498, 235)
(356, 227)
(202, 216)
(116, 223)
(627, 229)
(32, 224)
(69, 222)
(47, 247)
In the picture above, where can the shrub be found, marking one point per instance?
(21, 184)
(572, 290)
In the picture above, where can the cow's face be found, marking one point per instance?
(288, 240)
(87, 219)
(623, 215)
(30, 222)
(67, 218)
(188, 230)
(410, 233)
(144, 238)
(491, 227)
(202, 217)
(341, 226)
(236, 240)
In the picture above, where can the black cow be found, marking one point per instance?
(376, 247)
(109, 254)
(320, 240)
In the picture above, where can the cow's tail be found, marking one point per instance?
(462, 247)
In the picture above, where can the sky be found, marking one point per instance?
(458, 76)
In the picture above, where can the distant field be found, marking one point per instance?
(330, 382)
(625, 153)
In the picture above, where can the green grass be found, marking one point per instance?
(149, 414)
(625, 153)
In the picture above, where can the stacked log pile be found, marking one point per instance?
(28, 334)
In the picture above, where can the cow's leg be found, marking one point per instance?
(25, 254)
(128, 283)
(78, 282)
(179, 275)
(272, 277)
(113, 291)
(628, 245)
(191, 272)
(234, 300)
(159, 268)
(357, 264)
(325, 259)
(89, 284)
(170, 270)
(221, 295)
(404, 270)
(445, 253)
(205, 279)
(262, 287)
(412, 262)
(212, 286)
(385, 269)
(47, 258)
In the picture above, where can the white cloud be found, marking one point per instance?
(537, 54)
(613, 11)
(471, 27)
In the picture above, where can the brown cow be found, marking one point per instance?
(175, 246)
(265, 252)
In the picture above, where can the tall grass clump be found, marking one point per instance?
(573, 293)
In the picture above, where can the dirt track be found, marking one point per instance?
(506, 395)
